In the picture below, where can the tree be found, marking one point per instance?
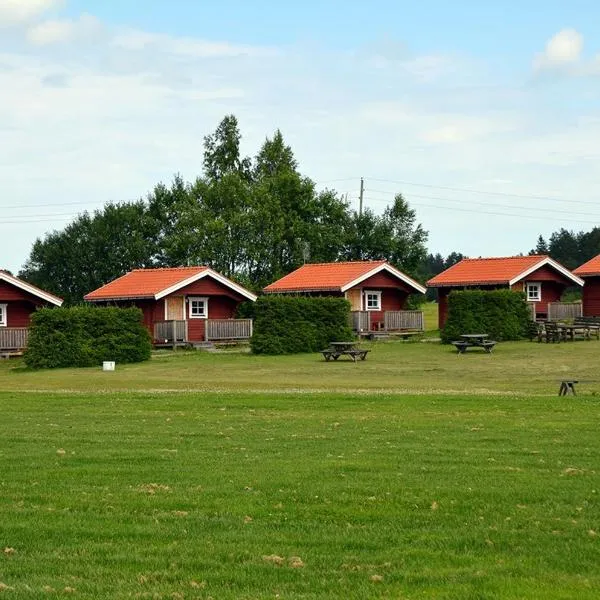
(408, 238)
(92, 250)
(222, 151)
(541, 248)
(564, 247)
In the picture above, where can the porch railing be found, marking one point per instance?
(13, 338)
(171, 332)
(564, 310)
(228, 329)
(403, 319)
(393, 320)
(360, 320)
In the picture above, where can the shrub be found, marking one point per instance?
(503, 314)
(84, 336)
(292, 324)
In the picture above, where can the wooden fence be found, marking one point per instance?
(228, 329)
(394, 320)
(13, 338)
(557, 311)
(531, 308)
(360, 320)
(404, 319)
(171, 332)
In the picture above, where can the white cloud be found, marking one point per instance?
(107, 121)
(564, 53)
(136, 40)
(13, 12)
(65, 30)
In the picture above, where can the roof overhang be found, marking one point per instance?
(119, 298)
(552, 263)
(206, 273)
(453, 284)
(393, 271)
(31, 289)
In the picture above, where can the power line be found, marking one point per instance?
(488, 193)
(80, 203)
(499, 214)
(550, 210)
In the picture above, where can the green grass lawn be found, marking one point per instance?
(415, 474)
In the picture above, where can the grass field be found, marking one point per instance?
(415, 474)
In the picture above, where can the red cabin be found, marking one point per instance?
(376, 290)
(182, 305)
(541, 278)
(590, 273)
(18, 299)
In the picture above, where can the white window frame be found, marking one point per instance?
(368, 293)
(191, 300)
(3, 315)
(531, 285)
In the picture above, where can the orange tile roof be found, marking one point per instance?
(478, 271)
(323, 276)
(591, 267)
(143, 283)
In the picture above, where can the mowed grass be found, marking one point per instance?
(415, 474)
(298, 496)
(398, 367)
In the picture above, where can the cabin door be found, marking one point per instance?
(354, 295)
(174, 308)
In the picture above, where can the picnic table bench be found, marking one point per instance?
(474, 340)
(350, 349)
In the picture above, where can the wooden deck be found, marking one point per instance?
(13, 339)
(175, 333)
(394, 321)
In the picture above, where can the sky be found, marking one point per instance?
(484, 115)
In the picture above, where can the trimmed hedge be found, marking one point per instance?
(293, 324)
(503, 314)
(84, 336)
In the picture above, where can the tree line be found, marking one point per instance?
(570, 248)
(252, 219)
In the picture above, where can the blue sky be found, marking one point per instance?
(485, 115)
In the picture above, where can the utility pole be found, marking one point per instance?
(360, 197)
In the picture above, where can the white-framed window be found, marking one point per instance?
(533, 290)
(3, 319)
(198, 307)
(372, 300)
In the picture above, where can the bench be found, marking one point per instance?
(550, 332)
(567, 386)
(587, 326)
(487, 345)
(354, 354)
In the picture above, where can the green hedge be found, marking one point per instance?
(292, 324)
(503, 314)
(84, 336)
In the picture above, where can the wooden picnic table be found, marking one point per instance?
(350, 349)
(474, 340)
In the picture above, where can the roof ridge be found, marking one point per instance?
(344, 262)
(508, 257)
(167, 268)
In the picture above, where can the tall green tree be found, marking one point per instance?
(92, 250)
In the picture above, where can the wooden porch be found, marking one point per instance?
(13, 339)
(173, 333)
(393, 321)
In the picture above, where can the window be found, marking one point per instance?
(3, 315)
(198, 308)
(533, 291)
(372, 300)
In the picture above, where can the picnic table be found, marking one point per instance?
(350, 349)
(474, 340)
